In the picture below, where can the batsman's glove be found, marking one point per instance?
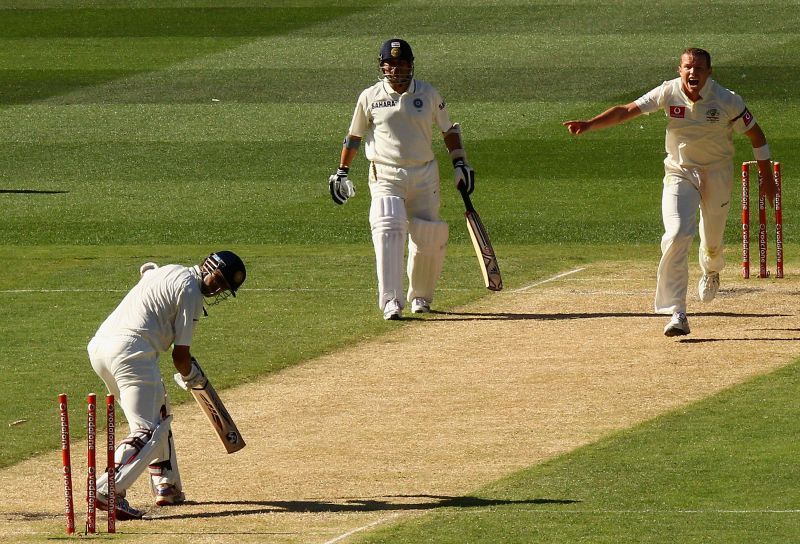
(341, 186)
(195, 380)
(465, 176)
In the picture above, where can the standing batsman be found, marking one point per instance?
(395, 117)
(698, 173)
(161, 310)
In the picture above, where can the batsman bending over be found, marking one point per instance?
(161, 310)
(698, 174)
(396, 116)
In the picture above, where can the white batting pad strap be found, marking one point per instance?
(387, 218)
(135, 453)
(427, 245)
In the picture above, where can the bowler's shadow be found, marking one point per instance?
(30, 192)
(405, 503)
(565, 316)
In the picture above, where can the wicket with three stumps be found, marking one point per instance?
(91, 451)
(763, 271)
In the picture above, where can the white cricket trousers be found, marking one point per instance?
(685, 191)
(128, 366)
(400, 195)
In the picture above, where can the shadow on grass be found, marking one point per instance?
(503, 316)
(30, 192)
(406, 503)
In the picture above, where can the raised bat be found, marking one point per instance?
(483, 247)
(208, 399)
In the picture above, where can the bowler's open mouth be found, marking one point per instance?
(694, 81)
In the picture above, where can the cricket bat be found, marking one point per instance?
(483, 246)
(218, 415)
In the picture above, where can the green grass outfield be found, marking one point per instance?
(163, 130)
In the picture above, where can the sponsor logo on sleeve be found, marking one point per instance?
(747, 117)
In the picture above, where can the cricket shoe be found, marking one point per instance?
(420, 306)
(708, 286)
(124, 511)
(168, 494)
(392, 310)
(678, 325)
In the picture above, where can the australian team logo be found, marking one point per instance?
(712, 115)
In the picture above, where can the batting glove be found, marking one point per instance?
(195, 380)
(465, 176)
(341, 187)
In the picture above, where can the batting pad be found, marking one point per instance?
(133, 457)
(427, 245)
(387, 218)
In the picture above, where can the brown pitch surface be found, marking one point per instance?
(399, 425)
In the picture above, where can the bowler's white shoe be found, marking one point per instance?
(708, 286)
(420, 306)
(392, 310)
(678, 325)
(168, 494)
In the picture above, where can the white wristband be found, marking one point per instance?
(458, 154)
(761, 153)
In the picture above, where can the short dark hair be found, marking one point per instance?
(697, 52)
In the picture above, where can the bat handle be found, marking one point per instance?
(467, 200)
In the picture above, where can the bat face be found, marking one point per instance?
(483, 249)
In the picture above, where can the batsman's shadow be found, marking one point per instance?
(513, 316)
(743, 339)
(383, 504)
(31, 192)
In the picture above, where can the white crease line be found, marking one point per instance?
(554, 278)
(358, 529)
(251, 290)
(283, 289)
(17, 291)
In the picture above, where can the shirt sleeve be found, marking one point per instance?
(743, 120)
(652, 101)
(440, 114)
(360, 122)
(190, 306)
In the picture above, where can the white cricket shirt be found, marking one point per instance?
(397, 129)
(699, 134)
(163, 308)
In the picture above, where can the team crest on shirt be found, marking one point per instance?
(678, 112)
(712, 115)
